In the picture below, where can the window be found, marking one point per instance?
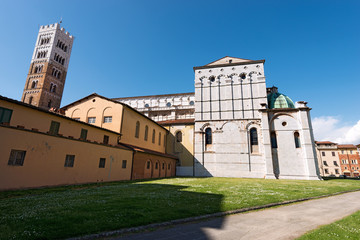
(323, 154)
(108, 119)
(192, 103)
(342, 151)
(164, 140)
(137, 129)
(163, 166)
(102, 162)
(178, 136)
(336, 171)
(326, 171)
(69, 161)
(106, 139)
(124, 162)
(83, 134)
(54, 128)
(335, 163)
(16, 157)
(156, 165)
(353, 161)
(351, 152)
(253, 138)
(159, 138)
(34, 84)
(208, 136)
(352, 168)
(30, 99)
(169, 166)
(77, 119)
(148, 165)
(49, 103)
(344, 161)
(168, 104)
(5, 115)
(146, 105)
(297, 139)
(325, 163)
(273, 140)
(333, 154)
(146, 133)
(153, 136)
(91, 119)
(345, 168)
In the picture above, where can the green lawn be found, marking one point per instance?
(78, 210)
(347, 228)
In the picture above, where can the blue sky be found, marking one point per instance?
(131, 48)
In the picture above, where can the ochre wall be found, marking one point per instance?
(128, 131)
(183, 150)
(99, 108)
(45, 158)
(140, 170)
(31, 118)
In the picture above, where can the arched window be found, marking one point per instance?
(137, 129)
(51, 87)
(34, 84)
(49, 103)
(153, 136)
(54, 89)
(30, 100)
(297, 139)
(146, 133)
(178, 136)
(254, 143)
(159, 138)
(273, 140)
(208, 136)
(58, 75)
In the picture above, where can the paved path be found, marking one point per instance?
(286, 222)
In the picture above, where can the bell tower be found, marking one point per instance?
(47, 74)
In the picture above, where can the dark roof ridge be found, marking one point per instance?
(159, 95)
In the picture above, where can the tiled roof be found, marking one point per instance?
(347, 146)
(324, 142)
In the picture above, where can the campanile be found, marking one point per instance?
(47, 74)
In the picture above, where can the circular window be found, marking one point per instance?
(191, 103)
(243, 76)
(212, 79)
(284, 124)
(146, 105)
(94, 100)
(168, 104)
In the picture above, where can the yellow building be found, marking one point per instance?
(41, 148)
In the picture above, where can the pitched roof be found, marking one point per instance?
(324, 142)
(111, 100)
(228, 61)
(347, 146)
(177, 122)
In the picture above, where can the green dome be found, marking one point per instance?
(279, 100)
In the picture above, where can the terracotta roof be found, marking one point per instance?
(145, 150)
(348, 146)
(324, 142)
(111, 100)
(53, 113)
(151, 96)
(177, 121)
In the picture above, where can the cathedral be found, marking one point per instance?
(234, 126)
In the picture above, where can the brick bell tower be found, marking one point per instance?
(47, 74)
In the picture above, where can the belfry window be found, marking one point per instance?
(273, 140)
(137, 129)
(297, 140)
(254, 143)
(208, 136)
(179, 136)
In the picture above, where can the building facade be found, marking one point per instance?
(328, 158)
(48, 68)
(349, 159)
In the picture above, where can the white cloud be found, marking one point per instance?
(331, 128)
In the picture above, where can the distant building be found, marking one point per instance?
(328, 157)
(349, 159)
(47, 73)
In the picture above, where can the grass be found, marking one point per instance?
(63, 212)
(347, 228)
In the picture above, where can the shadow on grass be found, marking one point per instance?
(87, 209)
